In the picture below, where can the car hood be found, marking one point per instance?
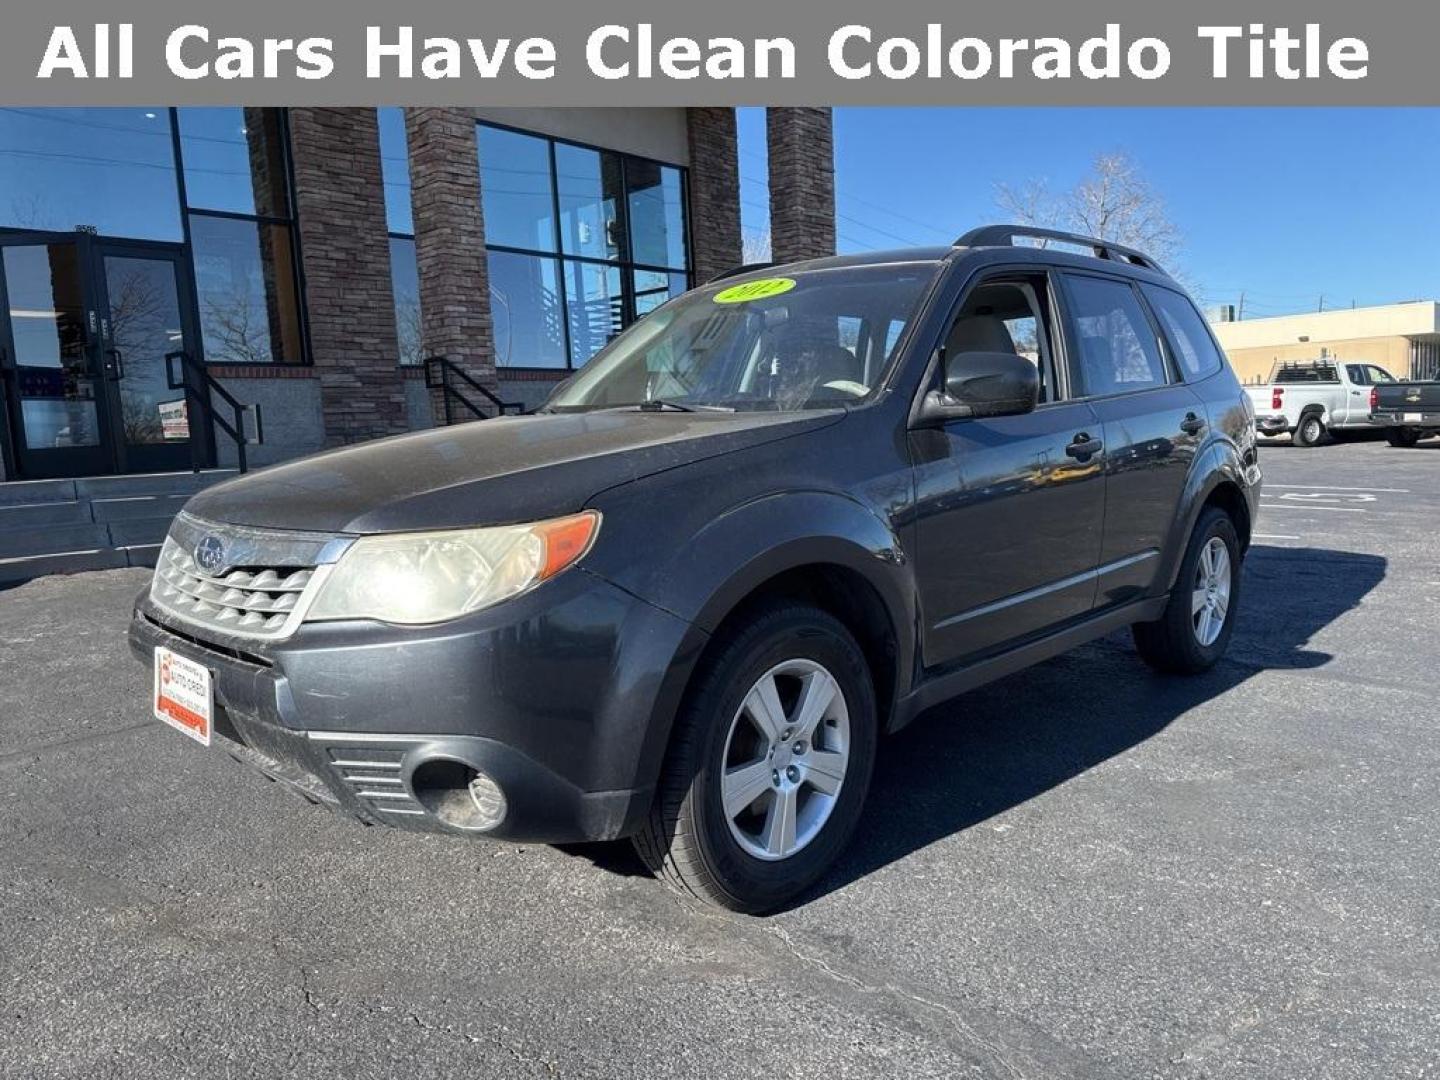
(488, 472)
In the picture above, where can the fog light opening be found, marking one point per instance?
(459, 795)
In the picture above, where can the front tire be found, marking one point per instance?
(768, 765)
(1310, 431)
(1200, 616)
(1402, 436)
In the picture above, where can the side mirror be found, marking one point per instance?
(979, 384)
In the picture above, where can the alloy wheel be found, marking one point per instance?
(1210, 600)
(786, 756)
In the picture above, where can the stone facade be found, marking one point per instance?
(345, 251)
(801, 143)
(455, 319)
(715, 242)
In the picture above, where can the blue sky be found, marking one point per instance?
(1286, 204)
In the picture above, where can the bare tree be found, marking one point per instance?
(755, 246)
(1113, 202)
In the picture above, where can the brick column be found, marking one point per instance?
(345, 249)
(715, 244)
(450, 245)
(802, 183)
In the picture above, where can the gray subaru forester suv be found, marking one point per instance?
(777, 518)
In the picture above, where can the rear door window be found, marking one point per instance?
(1190, 340)
(1118, 350)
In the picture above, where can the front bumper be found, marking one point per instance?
(562, 696)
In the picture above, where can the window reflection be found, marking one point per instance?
(395, 170)
(654, 287)
(526, 311)
(405, 281)
(245, 285)
(595, 306)
(517, 196)
(589, 183)
(234, 160)
(113, 169)
(657, 214)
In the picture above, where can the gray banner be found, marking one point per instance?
(1399, 38)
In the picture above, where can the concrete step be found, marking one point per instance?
(180, 483)
(25, 492)
(131, 507)
(15, 570)
(138, 531)
(52, 539)
(32, 515)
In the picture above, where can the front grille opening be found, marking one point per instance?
(255, 601)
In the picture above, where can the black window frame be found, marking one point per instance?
(290, 222)
(625, 264)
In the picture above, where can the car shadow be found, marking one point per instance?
(973, 758)
(968, 760)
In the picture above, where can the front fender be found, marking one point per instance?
(730, 556)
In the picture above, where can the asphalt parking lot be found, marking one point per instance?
(1084, 870)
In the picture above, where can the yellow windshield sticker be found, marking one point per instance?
(755, 290)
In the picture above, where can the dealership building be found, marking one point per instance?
(1404, 339)
(309, 260)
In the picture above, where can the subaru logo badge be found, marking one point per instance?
(210, 553)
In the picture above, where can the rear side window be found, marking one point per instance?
(1357, 374)
(1189, 339)
(1118, 349)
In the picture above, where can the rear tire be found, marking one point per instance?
(791, 815)
(1310, 431)
(1402, 436)
(1184, 641)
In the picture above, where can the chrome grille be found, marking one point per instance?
(260, 589)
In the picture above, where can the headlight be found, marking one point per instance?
(417, 578)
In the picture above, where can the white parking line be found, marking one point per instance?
(1272, 536)
(1317, 509)
(1330, 487)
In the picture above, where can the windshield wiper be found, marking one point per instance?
(660, 404)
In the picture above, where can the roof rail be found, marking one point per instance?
(1004, 236)
(736, 271)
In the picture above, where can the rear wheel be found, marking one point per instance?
(1199, 618)
(1402, 436)
(768, 765)
(1310, 431)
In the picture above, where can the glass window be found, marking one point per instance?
(595, 307)
(657, 214)
(1378, 374)
(1118, 350)
(405, 281)
(589, 184)
(113, 169)
(395, 170)
(781, 352)
(1006, 316)
(654, 287)
(526, 311)
(245, 288)
(517, 196)
(1188, 334)
(234, 160)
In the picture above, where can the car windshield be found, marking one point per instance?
(812, 339)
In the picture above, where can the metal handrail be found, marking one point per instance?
(201, 387)
(439, 370)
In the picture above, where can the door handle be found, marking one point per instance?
(1192, 424)
(1083, 446)
(117, 365)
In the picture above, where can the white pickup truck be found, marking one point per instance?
(1308, 398)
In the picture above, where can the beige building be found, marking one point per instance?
(1404, 339)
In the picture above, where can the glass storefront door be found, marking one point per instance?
(85, 326)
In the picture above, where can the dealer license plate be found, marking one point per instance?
(183, 695)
